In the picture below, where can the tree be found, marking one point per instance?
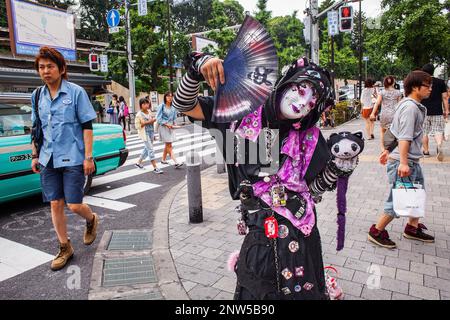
(150, 49)
(416, 30)
(263, 15)
(221, 20)
(287, 33)
(93, 20)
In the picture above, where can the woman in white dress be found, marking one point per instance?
(166, 117)
(368, 98)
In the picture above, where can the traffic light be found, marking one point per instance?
(94, 64)
(346, 19)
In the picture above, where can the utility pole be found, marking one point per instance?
(315, 43)
(360, 50)
(169, 30)
(131, 79)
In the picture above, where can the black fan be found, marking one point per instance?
(251, 68)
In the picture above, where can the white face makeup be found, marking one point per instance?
(297, 101)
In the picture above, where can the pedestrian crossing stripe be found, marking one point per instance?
(108, 204)
(178, 139)
(99, 181)
(176, 150)
(127, 191)
(160, 146)
(16, 258)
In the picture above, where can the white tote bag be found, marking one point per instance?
(409, 202)
(447, 130)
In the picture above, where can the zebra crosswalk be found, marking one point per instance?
(185, 142)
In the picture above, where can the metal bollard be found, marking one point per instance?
(194, 185)
(221, 168)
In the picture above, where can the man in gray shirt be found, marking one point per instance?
(403, 162)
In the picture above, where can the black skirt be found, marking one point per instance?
(289, 267)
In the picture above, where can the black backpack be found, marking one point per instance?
(37, 135)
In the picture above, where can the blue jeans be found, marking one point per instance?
(415, 177)
(148, 150)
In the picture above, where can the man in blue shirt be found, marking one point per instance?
(65, 157)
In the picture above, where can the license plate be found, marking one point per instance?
(22, 157)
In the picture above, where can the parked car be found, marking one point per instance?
(17, 180)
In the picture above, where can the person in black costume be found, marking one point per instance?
(281, 256)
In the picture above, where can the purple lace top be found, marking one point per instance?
(299, 147)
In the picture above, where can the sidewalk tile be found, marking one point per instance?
(424, 248)
(399, 296)
(411, 256)
(197, 275)
(437, 283)
(210, 253)
(223, 295)
(445, 295)
(351, 288)
(409, 276)
(443, 253)
(423, 268)
(200, 292)
(226, 284)
(440, 262)
(423, 292)
(364, 246)
(213, 243)
(395, 285)
(333, 259)
(443, 273)
(357, 265)
(376, 294)
(372, 257)
(193, 248)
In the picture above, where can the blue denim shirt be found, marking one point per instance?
(61, 120)
(165, 115)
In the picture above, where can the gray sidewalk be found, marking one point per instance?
(412, 271)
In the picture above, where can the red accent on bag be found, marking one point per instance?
(271, 228)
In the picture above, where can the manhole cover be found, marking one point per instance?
(130, 241)
(129, 271)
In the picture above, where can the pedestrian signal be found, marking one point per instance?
(94, 64)
(346, 19)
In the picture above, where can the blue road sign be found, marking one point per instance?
(113, 18)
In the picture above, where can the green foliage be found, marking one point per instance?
(287, 33)
(416, 31)
(262, 14)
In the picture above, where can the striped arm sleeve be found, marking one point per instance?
(185, 98)
(325, 181)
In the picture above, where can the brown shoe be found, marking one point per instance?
(90, 233)
(64, 255)
(417, 233)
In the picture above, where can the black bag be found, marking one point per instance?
(37, 135)
(390, 142)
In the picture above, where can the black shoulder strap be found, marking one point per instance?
(36, 102)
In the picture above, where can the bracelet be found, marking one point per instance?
(34, 156)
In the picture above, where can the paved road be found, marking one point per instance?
(125, 199)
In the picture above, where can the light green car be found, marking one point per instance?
(17, 180)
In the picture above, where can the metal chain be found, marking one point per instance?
(277, 264)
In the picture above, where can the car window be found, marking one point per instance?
(15, 118)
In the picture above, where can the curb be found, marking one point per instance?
(169, 282)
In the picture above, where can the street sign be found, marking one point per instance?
(113, 18)
(366, 59)
(142, 7)
(114, 30)
(333, 23)
(103, 63)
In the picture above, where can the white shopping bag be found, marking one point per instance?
(447, 130)
(409, 202)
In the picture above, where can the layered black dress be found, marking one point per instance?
(289, 267)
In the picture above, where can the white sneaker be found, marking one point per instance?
(139, 166)
(179, 165)
(158, 171)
